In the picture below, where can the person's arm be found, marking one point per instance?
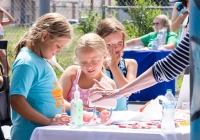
(10, 18)
(118, 76)
(171, 43)
(4, 62)
(168, 46)
(165, 69)
(19, 90)
(177, 20)
(66, 81)
(18, 102)
(171, 66)
(133, 42)
(145, 80)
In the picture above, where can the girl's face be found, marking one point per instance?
(157, 25)
(49, 48)
(90, 61)
(116, 40)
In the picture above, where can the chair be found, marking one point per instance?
(5, 115)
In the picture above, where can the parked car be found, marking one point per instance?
(73, 21)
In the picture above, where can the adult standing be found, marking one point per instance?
(179, 14)
(9, 20)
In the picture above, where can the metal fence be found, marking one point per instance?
(25, 12)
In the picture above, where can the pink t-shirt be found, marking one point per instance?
(1, 30)
(84, 93)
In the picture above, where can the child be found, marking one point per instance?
(121, 70)
(90, 51)
(6, 66)
(36, 98)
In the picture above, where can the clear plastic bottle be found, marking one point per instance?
(168, 112)
(155, 44)
(76, 110)
(162, 36)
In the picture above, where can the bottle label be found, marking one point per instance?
(169, 105)
(76, 113)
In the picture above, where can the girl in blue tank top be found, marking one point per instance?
(121, 70)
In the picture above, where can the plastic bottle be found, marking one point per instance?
(155, 44)
(168, 111)
(76, 110)
(162, 36)
(164, 30)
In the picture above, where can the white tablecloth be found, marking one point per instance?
(107, 133)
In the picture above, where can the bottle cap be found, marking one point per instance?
(77, 93)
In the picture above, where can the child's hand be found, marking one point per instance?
(62, 119)
(104, 116)
(87, 116)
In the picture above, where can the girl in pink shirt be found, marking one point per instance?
(90, 52)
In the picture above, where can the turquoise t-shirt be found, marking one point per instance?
(147, 39)
(34, 78)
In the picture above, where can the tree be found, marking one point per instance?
(131, 2)
(142, 18)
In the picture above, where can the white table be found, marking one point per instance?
(107, 133)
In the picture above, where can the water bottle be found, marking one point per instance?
(155, 44)
(168, 112)
(162, 36)
(76, 110)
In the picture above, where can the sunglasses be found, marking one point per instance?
(156, 24)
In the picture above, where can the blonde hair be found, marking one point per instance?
(54, 24)
(110, 25)
(93, 41)
(164, 21)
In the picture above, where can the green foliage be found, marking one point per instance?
(132, 2)
(142, 18)
(13, 35)
(89, 21)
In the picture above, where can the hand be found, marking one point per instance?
(87, 116)
(104, 116)
(184, 13)
(88, 108)
(106, 93)
(106, 63)
(62, 119)
(162, 48)
(114, 55)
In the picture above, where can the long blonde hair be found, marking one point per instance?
(91, 40)
(110, 25)
(54, 24)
